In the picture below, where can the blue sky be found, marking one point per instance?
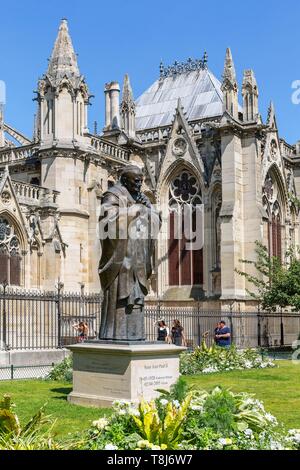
(118, 37)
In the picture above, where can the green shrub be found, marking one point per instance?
(216, 359)
(63, 371)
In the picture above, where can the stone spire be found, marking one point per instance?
(229, 70)
(127, 95)
(271, 114)
(63, 60)
(127, 109)
(250, 96)
(63, 97)
(229, 86)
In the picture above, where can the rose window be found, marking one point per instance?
(184, 189)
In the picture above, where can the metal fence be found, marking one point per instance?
(248, 329)
(13, 372)
(45, 320)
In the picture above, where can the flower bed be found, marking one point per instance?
(208, 360)
(219, 420)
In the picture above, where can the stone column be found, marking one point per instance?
(107, 107)
(232, 284)
(115, 105)
(42, 101)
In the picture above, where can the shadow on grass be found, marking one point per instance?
(64, 392)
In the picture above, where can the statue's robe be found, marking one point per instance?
(125, 264)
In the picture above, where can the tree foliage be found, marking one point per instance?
(277, 285)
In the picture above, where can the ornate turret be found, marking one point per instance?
(127, 109)
(62, 96)
(229, 86)
(250, 96)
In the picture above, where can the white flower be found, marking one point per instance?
(295, 435)
(163, 401)
(270, 418)
(122, 412)
(209, 370)
(248, 365)
(143, 444)
(176, 403)
(197, 408)
(110, 447)
(225, 442)
(275, 445)
(100, 423)
(248, 432)
(121, 404)
(133, 411)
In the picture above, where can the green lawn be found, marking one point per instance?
(278, 388)
(30, 395)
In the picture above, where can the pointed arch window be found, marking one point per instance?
(185, 265)
(271, 201)
(275, 232)
(10, 257)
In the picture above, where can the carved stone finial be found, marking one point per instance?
(63, 61)
(182, 67)
(229, 70)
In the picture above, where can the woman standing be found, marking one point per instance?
(177, 334)
(163, 332)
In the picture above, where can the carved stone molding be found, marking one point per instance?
(179, 147)
(6, 197)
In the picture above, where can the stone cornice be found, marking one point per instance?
(74, 212)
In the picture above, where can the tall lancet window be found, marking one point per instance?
(10, 258)
(185, 263)
(272, 205)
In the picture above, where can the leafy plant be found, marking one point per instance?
(219, 419)
(219, 409)
(277, 283)
(62, 371)
(178, 391)
(166, 430)
(216, 359)
(35, 435)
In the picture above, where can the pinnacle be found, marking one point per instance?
(63, 61)
(127, 95)
(229, 70)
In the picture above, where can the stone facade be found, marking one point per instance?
(196, 143)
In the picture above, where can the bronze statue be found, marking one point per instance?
(128, 227)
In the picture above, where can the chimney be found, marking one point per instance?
(107, 107)
(115, 105)
(112, 113)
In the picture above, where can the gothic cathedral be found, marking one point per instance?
(196, 143)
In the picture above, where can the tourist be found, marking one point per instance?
(223, 335)
(163, 332)
(177, 334)
(83, 330)
(216, 332)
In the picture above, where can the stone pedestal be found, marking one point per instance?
(106, 371)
